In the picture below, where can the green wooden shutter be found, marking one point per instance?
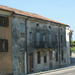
(1, 45)
(1, 21)
(6, 45)
(6, 21)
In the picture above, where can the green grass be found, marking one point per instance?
(73, 49)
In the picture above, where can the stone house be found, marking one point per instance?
(30, 42)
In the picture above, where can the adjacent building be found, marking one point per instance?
(68, 44)
(30, 42)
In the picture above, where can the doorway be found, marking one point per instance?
(31, 62)
(50, 59)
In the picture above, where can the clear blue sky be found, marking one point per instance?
(59, 10)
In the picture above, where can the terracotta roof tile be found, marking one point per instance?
(28, 14)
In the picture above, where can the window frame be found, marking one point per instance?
(4, 45)
(45, 56)
(61, 39)
(56, 56)
(22, 29)
(30, 36)
(56, 38)
(38, 57)
(4, 21)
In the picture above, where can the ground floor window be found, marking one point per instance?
(23, 62)
(45, 56)
(57, 56)
(62, 55)
(38, 57)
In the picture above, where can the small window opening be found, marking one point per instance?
(37, 25)
(49, 27)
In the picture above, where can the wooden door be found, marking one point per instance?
(50, 59)
(31, 62)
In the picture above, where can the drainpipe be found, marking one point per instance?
(59, 47)
(26, 45)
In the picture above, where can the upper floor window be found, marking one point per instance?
(37, 38)
(62, 55)
(61, 38)
(56, 38)
(22, 30)
(49, 27)
(37, 25)
(38, 57)
(49, 38)
(3, 45)
(4, 21)
(30, 36)
(44, 38)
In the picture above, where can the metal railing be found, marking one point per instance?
(41, 44)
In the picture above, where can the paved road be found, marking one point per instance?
(70, 71)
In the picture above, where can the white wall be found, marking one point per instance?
(68, 46)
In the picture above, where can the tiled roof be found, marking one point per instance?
(28, 14)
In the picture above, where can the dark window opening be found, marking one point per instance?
(61, 39)
(30, 36)
(38, 57)
(56, 38)
(44, 38)
(45, 56)
(37, 25)
(4, 21)
(56, 56)
(62, 55)
(50, 27)
(3, 45)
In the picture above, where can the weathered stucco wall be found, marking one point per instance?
(18, 43)
(44, 28)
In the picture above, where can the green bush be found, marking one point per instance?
(73, 49)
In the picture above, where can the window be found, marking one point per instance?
(44, 39)
(23, 62)
(56, 38)
(38, 57)
(30, 36)
(62, 55)
(61, 39)
(45, 56)
(22, 30)
(37, 38)
(4, 21)
(37, 25)
(49, 38)
(56, 56)
(3, 45)
(49, 27)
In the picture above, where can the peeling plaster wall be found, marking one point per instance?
(44, 28)
(18, 43)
